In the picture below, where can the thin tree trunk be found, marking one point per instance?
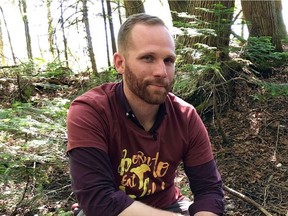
(106, 33)
(8, 34)
(119, 12)
(50, 27)
(89, 38)
(3, 62)
(23, 10)
(64, 36)
(111, 26)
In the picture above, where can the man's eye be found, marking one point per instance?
(169, 60)
(148, 58)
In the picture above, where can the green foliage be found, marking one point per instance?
(180, 24)
(23, 118)
(56, 70)
(271, 90)
(28, 72)
(108, 75)
(32, 147)
(199, 65)
(204, 71)
(25, 68)
(261, 52)
(220, 23)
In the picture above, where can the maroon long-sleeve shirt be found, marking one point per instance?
(114, 161)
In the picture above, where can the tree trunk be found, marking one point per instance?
(89, 38)
(106, 33)
(50, 27)
(119, 12)
(133, 7)
(208, 15)
(23, 10)
(280, 21)
(3, 62)
(8, 35)
(179, 7)
(111, 26)
(64, 37)
(219, 19)
(265, 19)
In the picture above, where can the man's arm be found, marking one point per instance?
(205, 213)
(93, 183)
(206, 185)
(94, 186)
(140, 209)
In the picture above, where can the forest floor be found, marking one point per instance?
(253, 163)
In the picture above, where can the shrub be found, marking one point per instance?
(261, 52)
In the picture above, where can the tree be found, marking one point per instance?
(212, 19)
(1, 45)
(8, 35)
(177, 7)
(111, 26)
(133, 7)
(89, 38)
(106, 32)
(264, 18)
(50, 27)
(119, 11)
(63, 35)
(23, 10)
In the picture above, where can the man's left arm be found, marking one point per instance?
(206, 186)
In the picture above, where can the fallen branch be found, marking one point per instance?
(247, 199)
(8, 66)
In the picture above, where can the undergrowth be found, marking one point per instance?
(32, 153)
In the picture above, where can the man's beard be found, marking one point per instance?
(140, 87)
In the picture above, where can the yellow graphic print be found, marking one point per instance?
(136, 172)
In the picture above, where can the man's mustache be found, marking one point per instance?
(158, 82)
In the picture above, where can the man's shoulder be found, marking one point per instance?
(97, 94)
(105, 89)
(99, 97)
(178, 102)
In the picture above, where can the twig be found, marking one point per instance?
(274, 157)
(23, 196)
(59, 189)
(247, 199)
(266, 189)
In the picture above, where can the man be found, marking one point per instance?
(126, 140)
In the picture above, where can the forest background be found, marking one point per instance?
(231, 65)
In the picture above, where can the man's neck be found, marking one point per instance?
(145, 112)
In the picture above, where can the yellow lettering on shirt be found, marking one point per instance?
(140, 171)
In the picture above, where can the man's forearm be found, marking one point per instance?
(140, 209)
(205, 213)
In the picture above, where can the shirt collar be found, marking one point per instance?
(129, 112)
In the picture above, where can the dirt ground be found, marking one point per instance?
(254, 162)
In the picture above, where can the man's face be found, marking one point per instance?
(149, 63)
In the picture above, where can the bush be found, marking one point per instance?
(261, 52)
(32, 154)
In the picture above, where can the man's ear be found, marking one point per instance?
(119, 62)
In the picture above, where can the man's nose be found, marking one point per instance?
(160, 69)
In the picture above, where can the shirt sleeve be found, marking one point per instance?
(93, 183)
(206, 186)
